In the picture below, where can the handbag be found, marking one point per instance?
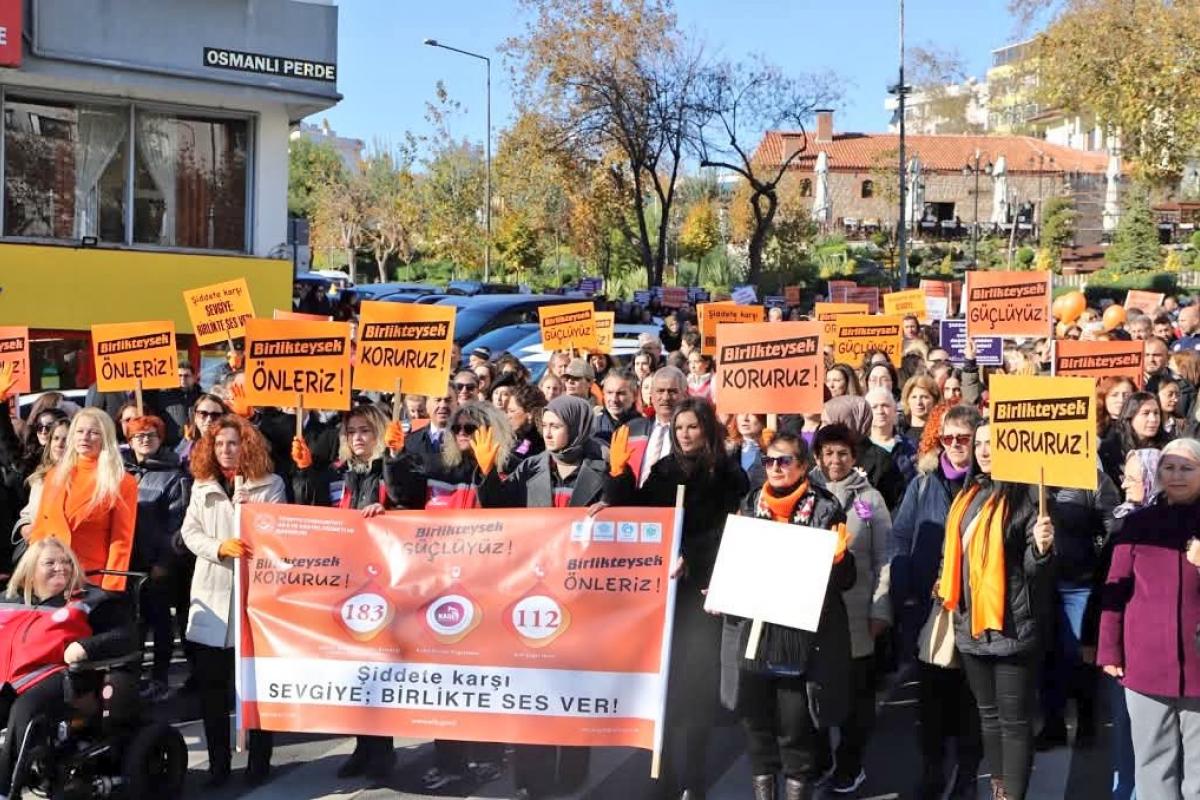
(935, 643)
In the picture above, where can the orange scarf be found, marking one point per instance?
(985, 561)
(781, 508)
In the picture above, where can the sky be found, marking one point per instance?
(386, 75)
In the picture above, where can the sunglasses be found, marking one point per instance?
(209, 414)
(960, 439)
(45, 427)
(465, 387)
(783, 462)
(466, 427)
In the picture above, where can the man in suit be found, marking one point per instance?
(428, 440)
(650, 439)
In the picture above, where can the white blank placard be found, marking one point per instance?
(772, 571)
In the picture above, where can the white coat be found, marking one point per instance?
(211, 519)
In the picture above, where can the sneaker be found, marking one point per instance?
(847, 784)
(486, 771)
(435, 778)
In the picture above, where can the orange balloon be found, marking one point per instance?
(1114, 317)
(1073, 305)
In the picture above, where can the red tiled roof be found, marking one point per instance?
(941, 153)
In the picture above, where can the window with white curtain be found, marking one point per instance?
(65, 169)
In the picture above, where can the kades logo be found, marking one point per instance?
(264, 523)
(452, 617)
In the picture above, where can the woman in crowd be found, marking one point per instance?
(1149, 625)
(714, 487)
(841, 380)
(37, 436)
(747, 438)
(644, 364)
(700, 375)
(162, 500)
(1169, 398)
(1111, 394)
(995, 570)
(946, 707)
(453, 475)
(508, 364)
(502, 389)
(56, 448)
(207, 409)
(1138, 426)
(882, 375)
(919, 396)
(91, 625)
(569, 473)
(551, 386)
(798, 682)
(855, 413)
(485, 375)
(524, 412)
(601, 364)
(900, 449)
(87, 499)
(231, 466)
(951, 386)
(868, 606)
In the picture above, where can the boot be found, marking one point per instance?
(764, 787)
(998, 792)
(797, 789)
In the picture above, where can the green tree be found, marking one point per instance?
(1135, 243)
(393, 211)
(311, 165)
(1058, 226)
(518, 245)
(701, 231)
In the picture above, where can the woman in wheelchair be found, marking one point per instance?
(50, 619)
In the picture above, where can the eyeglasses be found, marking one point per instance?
(146, 436)
(465, 387)
(209, 414)
(466, 427)
(45, 427)
(960, 439)
(783, 462)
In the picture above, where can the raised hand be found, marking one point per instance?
(8, 380)
(484, 445)
(619, 451)
(238, 403)
(300, 453)
(394, 437)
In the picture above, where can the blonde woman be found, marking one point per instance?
(88, 500)
(454, 475)
(920, 395)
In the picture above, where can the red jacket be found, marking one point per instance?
(34, 638)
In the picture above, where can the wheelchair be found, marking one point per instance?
(100, 742)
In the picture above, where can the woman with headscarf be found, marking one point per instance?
(569, 473)
(1149, 626)
(868, 607)
(882, 471)
(714, 487)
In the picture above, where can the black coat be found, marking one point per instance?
(883, 473)
(1027, 598)
(163, 493)
(604, 423)
(393, 481)
(1083, 525)
(13, 493)
(110, 617)
(531, 484)
(823, 658)
(420, 445)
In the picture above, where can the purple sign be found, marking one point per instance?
(952, 333)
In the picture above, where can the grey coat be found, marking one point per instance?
(869, 524)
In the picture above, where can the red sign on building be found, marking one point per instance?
(10, 33)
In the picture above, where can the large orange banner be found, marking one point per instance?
(534, 626)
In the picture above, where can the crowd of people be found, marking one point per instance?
(1008, 607)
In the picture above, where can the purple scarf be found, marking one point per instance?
(950, 471)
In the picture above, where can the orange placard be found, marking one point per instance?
(605, 322)
(770, 368)
(713, 314)
(219, 312)
(532, 626)
(14, 348)
(910, 301)
(569, 326)
(404, 341)
(1043, 430)
(855, 336)
(828, 312)
(129, 353)
(296, 315)
(1146, 302)
(1099, 359)
(289, 358)
(1008, 304)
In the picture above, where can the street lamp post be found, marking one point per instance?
(487, 209)
(974, 167)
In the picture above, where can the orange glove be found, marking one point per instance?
(394, 437)
(237, 401)
(7, 380)
(843, 542)
(234, 548)
(483, 443)
(300, 453)
(765, 438)
(619, 451)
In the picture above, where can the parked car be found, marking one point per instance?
(473, 288)
(502, 339)
(529, 351)
(483, 314)
(384, 291)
